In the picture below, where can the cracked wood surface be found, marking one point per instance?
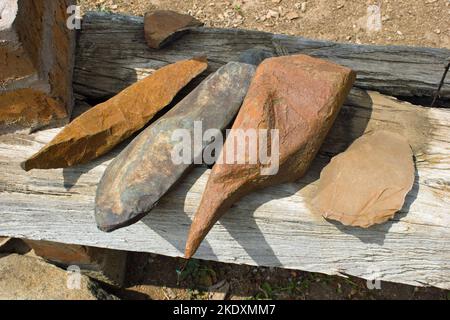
(273, 227)
(112, 54)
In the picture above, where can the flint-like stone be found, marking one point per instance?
(164, 26)
(300, 97)
(368, 183)
(145, 170)
(101, 128)
(29, 109)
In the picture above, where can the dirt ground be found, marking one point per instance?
(156, 277)
(403, 22)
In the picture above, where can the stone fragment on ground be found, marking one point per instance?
(144, 171)
(368, 183)
(101, 128)
(164, 26)
(299, 96)
(28, 278)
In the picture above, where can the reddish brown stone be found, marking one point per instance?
(29, 109)
(163, 26)
(368, 183)
(101, 128)
(298, 95)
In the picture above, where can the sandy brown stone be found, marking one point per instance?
(163, 26)
(298, 95)
(37, 51)
(104, 126)
(29, 109)
(28, 278)
(368, 183)
(15, 65)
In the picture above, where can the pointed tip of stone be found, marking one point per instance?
(189, 251)
(108, 221)
(25, 166)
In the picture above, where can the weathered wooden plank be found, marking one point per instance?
(273, 227)
(112, 54)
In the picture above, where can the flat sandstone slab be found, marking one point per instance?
(368, 183)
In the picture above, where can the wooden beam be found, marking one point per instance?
(112, 54)
(273, 227)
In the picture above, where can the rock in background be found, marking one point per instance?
(28, 278)
(36, 53)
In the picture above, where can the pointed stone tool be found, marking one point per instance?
(144, 171)
(101, 128)
(368, 183)
(300, 97)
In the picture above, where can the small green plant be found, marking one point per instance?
(191, 268)
(238, 9)
(290, 288)
(103, 8)
(266, 292)
(203, 276)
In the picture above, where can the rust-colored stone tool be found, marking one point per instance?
(163, 26)
(144, 171)
(299, 96)
(101, 128)
(368, 183)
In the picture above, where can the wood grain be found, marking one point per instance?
(112, 54)
(274, 227)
